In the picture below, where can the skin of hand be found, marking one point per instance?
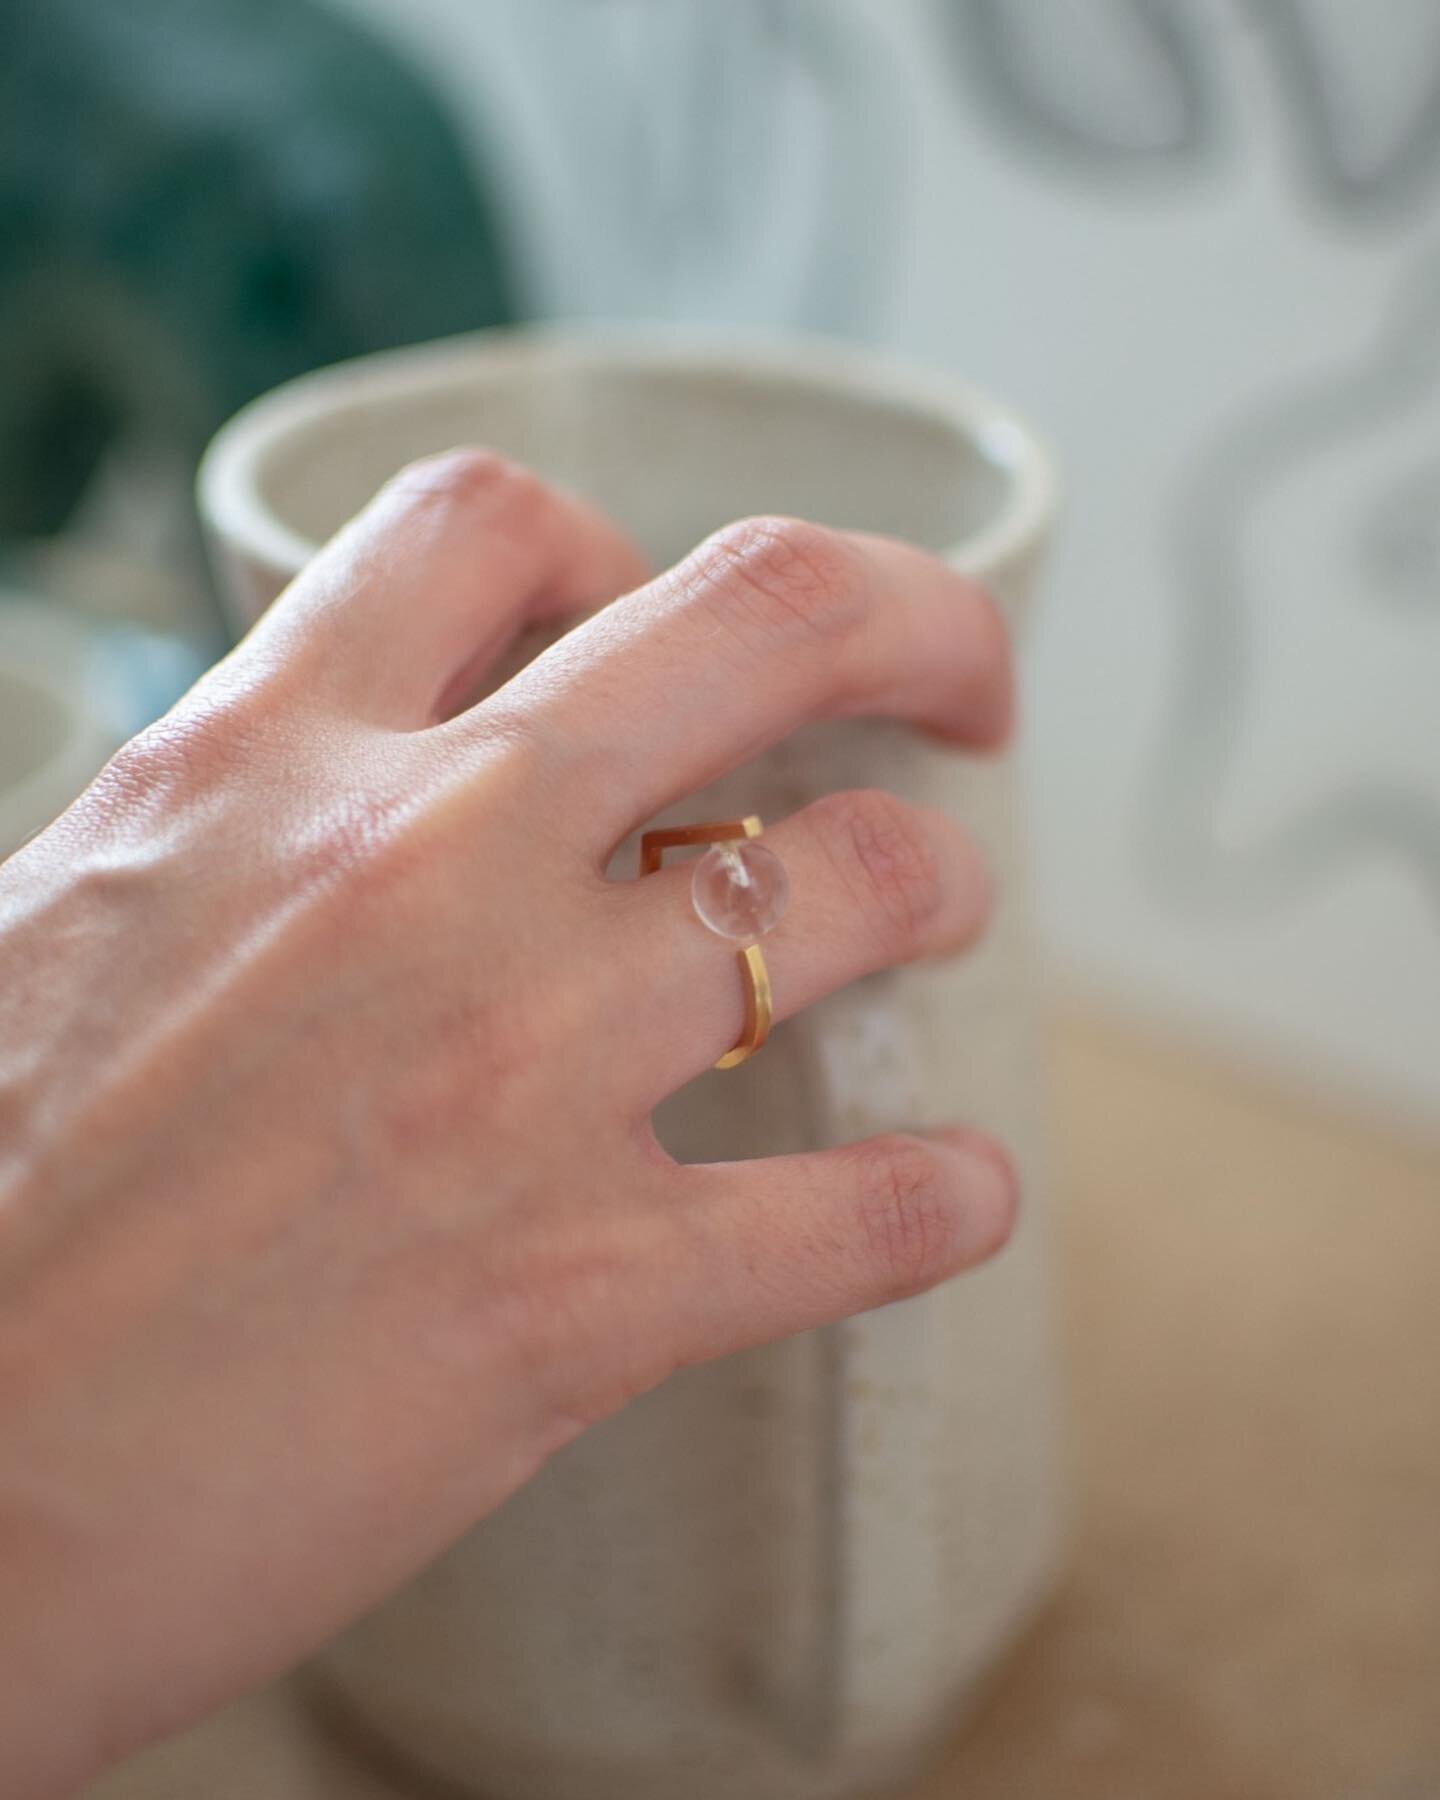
(330, 1205)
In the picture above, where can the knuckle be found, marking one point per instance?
(908, 1214)
(799, 577)
(193, 748)
(884, 850)
(472, 477)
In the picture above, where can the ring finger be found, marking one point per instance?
(874, 882)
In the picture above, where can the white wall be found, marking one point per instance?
(1199, 252)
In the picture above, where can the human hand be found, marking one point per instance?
(329, 1202)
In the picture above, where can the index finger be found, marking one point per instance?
(771, 623)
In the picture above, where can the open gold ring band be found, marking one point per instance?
(739, 890)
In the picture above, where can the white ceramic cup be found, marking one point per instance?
(783, 1575)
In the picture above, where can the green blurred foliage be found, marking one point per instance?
(198, 199)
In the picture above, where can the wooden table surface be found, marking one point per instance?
(1253, 1607)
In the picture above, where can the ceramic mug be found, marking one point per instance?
(783, 1575)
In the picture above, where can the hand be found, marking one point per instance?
(329, 1203)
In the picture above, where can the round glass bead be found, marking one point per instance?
(740, 890)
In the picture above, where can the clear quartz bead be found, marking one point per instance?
(740, 890)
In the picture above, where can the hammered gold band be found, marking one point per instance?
(755, 977)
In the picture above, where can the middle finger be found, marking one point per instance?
(769, 624)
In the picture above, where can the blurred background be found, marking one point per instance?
(1195, 239)
(1198, 242)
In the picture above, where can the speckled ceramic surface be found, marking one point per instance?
(782, 1575)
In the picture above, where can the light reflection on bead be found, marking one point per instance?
(740, 890)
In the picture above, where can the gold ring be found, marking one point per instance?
(739, 894)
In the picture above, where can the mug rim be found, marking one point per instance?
(229, 480)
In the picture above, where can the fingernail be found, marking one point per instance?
(992, 1187)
